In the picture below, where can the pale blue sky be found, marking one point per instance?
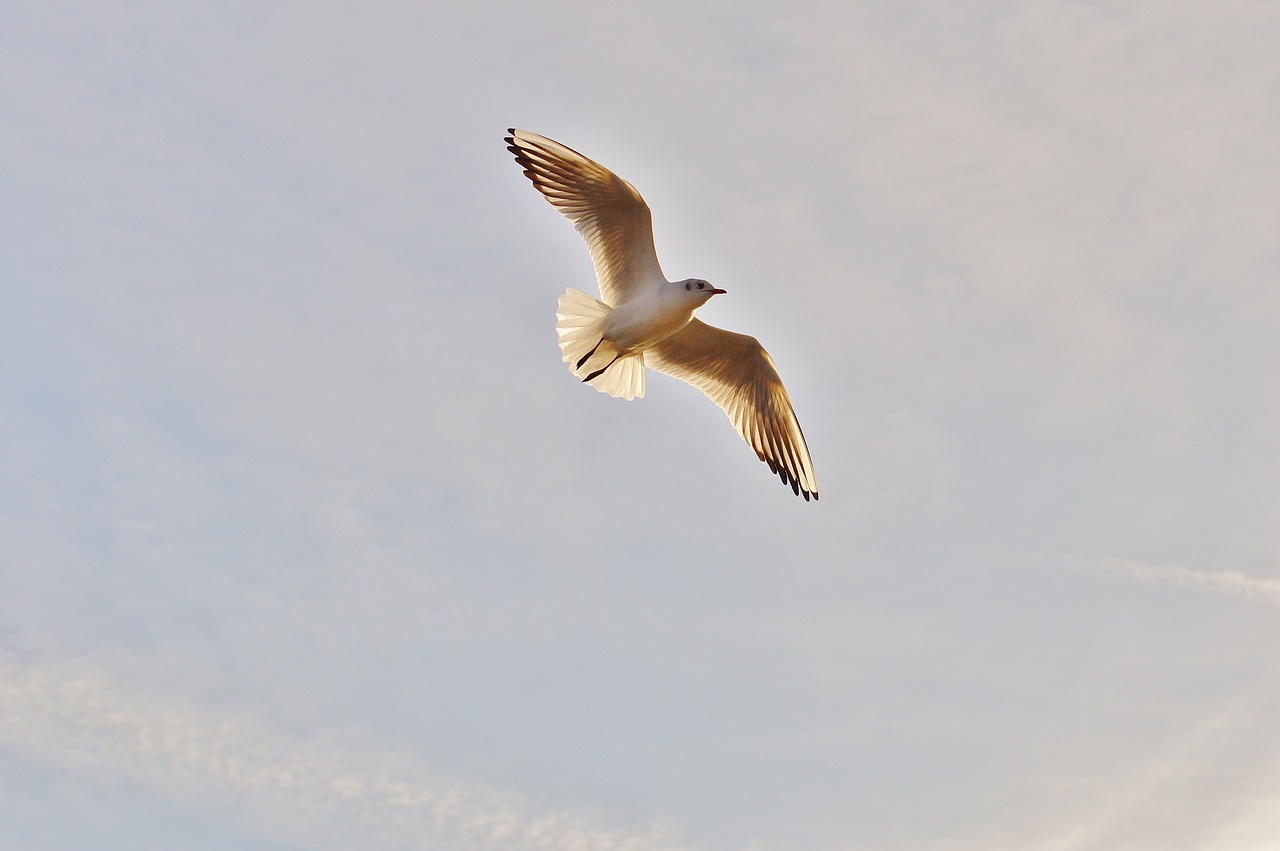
(308, 540)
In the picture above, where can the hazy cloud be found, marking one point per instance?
(285, 426)
(309, 793)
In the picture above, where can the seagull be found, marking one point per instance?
(642, 319)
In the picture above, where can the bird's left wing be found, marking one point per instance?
(737, 374)
(608, 212)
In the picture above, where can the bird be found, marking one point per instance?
(644, 320)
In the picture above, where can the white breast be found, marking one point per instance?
(646, 320)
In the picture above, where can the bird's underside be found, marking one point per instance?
(733, 370)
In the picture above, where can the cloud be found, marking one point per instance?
(1159, 800)
(1232, 582)
(310, 794)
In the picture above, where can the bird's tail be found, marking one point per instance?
(580, 322)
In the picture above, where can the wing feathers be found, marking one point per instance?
(613, 219)
(736, 373)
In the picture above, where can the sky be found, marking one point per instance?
(308, 539)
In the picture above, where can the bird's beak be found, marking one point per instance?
(718, 292)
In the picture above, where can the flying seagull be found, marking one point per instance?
(642, 319)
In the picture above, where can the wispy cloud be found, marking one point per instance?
(1157, 801)
(310, 794)
(1266, 591)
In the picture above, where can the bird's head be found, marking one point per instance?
(697, 290)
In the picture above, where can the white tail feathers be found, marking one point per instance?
(579, 322)
(624, 377)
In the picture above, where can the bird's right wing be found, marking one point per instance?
(737, 374)
(608, 212)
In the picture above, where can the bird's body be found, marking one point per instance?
(648, 319)
(644, 319)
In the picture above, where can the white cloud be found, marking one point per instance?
(311, 794)
(1231, 582)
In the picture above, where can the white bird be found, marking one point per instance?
(646, 320)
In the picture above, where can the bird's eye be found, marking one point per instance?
(688, 287)
(701, 285)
